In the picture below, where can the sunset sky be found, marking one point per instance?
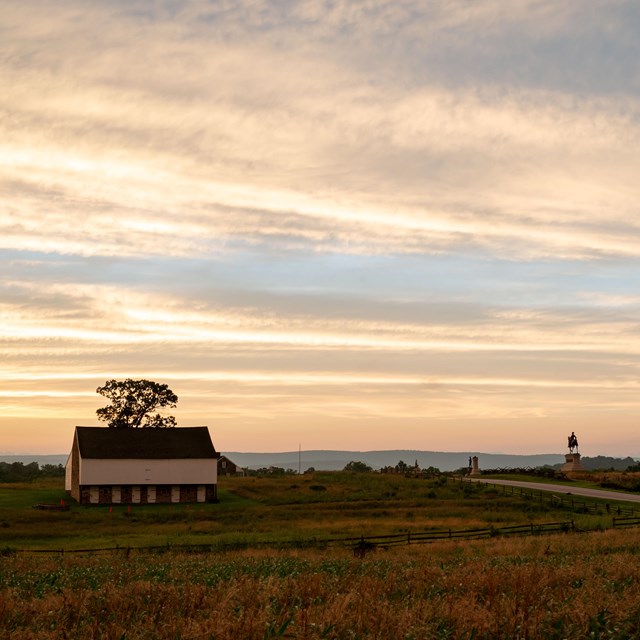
(336, 225)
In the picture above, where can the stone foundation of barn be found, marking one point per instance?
(147, 494)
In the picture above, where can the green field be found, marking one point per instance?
(278, 509)
(268, 571)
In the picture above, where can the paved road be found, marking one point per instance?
(566, 489)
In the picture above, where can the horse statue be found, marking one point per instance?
(573, 442)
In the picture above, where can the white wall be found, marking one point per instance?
(145, 472)
(67, 474)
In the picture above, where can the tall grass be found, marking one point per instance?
(551, 587)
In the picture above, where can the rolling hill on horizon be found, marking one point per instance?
(335, 460)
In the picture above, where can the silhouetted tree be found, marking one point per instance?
(434, 471)
(132, 404)
(358, 466)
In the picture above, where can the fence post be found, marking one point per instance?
(408, 537)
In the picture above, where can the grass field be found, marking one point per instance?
(574, 585)
(259, 510)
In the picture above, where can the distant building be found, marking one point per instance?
(142, 466)
(227, 467)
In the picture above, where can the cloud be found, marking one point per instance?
(322, 209)
(228, 139)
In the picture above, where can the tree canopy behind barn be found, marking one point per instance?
(133, 403)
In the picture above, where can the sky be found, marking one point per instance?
(336, 224)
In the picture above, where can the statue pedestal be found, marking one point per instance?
(475, 471)
(572, 462)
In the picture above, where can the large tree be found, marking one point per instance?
(133, 403)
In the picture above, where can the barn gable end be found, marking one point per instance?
(126, 466)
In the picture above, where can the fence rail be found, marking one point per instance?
(631, 521)
(563, 501)
(360, 542)
(460, 534)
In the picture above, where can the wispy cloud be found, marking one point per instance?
(355, 210)
(225, 140)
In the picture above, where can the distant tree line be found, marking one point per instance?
(400, 468)
(354, 466)
(357, 466)
(605, 463)
(596, 463)
(541, 472)
(270, 471)
(20, 472)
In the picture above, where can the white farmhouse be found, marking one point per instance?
(143, 466)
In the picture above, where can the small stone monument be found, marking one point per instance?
(474, 467)
(572, 459)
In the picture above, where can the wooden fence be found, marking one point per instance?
(631, 521)
(563, 501)
(360, 542)
(458, 534)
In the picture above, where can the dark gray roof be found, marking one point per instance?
(181, 442)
